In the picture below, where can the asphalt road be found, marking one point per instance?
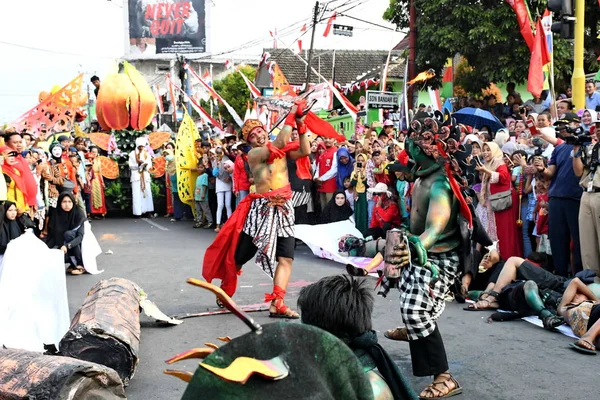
(499, 360)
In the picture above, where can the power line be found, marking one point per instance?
(55, 52)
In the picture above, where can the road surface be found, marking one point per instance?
(499, 360)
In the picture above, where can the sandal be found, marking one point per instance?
(76, 271)
(475, 307)
(440, 389)
(220, 303)
(552, 322)
(584, 347)
(354, 271)
(399, 334)
(282, 311)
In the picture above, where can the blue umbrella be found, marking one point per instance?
(476, 117)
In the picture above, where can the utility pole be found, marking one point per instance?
(578, 79)
(312, 40)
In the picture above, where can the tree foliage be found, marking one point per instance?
(234, 90)
(486, 33)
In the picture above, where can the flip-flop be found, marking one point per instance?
(583, 350)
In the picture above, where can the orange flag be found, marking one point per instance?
(281, 86)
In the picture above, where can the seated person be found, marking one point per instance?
(386, 214)
(580, 308)
(342, 306)
(338, 209)
(66, 231)
(9, 227)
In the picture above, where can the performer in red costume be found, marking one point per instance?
(263, 221)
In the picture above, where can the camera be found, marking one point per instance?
(538, 143)
(359, 165)
(579, 138)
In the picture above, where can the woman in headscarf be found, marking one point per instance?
(98, 201)
(9, 227)
(15, 181)
(66, 232)
(502, 224)
(55, 176)
(588, 119)
(358, 180)
(345, 165)
(337, 209)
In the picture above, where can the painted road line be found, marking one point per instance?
(154, 224)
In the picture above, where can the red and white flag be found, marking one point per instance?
(203, 114)
(159, 102)
(228, 64)
(207, 77)
(302, 32)
(274, 36)
(254, 91)
(215, 95)
(329, 25)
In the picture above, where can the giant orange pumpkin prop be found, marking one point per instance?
(125, 100)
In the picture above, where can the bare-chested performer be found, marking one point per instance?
(263, 221)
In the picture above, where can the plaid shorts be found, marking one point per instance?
(420, 304)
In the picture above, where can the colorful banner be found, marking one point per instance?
(166, 27)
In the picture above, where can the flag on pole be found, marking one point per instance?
(207, 77)
(254, 92)
(520, 9)
(247, 115)
(172, 93)
(203, 114)
(329, 25)
(434, 98)
(228, 64)
(539, 58)
(159, 102)
(302, 31)
(274, 36)
(215, 95)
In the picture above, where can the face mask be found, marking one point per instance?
(169, 158)
(56, 152)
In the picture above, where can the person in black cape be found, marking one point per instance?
(337, 209)
(342, 305)
(9, 227)
(66, 232)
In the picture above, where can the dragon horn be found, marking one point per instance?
(199, 352)
(228, 303)
(183, 375)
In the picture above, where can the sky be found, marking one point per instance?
(46, 43)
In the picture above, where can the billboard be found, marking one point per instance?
(166, 27)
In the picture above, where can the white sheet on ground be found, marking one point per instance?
(323, 241)
(90, 249)
(564, 329)
(33, 295)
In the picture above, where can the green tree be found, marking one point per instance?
(234, 90)
(484, 32)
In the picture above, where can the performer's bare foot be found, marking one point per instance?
(443, 386)
(279, 310)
